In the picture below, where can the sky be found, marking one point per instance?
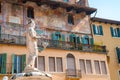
(108, 9)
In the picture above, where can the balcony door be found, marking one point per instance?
(71, 68)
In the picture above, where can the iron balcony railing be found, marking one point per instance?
(21, 40)
(73, 73)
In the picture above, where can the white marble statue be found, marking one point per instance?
(31, 42)
(31, 39)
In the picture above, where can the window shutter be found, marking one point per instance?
(0, 31)
(4, 58)
(78, 40)
(91, 41)
(23, 61)
(83, 40)
(112, 31)
(118, 31)
(118, 54)
(94, 29)
(53, 36)
(101, 30)
(63, 37)
(57, 37)
(71, 38)
(13, 56)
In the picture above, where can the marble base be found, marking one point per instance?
(34, 78)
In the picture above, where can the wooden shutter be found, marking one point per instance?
(103, 67)
(78, 40)
(71, 38)
(91, 41)
(63, 37)
(53, 36)
(112, 31)
(52, 64)
(118, 31)
(94, 29)
(101, 30)
(0, 31)
(41, 63)
(82, 65)
(83, 40)
(118, 54)
(13, 56)
(59, 64)
(97, 67)
(89, 66)
(23, 61)
(4, 58)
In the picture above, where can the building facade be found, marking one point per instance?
(71, 53)
(107, 32)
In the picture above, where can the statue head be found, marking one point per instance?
(31, 23)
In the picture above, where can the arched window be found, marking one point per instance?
(71, 67)
(30, 12)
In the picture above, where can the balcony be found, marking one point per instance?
(72, 74)
(21, 40)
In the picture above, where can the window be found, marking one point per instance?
(52, 64)
(41, 63)
(70, 19)
(19, 62)
(103, 67)
(115, 32)
(82, 66)
(97, 29)
(66, 0)
(55, 64)
(118, 54)
(97, 67)
(30, 12)
(58, 36)
(3, 58)
(59, 64)
(88, 66)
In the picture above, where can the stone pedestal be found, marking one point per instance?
(34, 78)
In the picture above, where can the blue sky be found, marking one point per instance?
(108, 9)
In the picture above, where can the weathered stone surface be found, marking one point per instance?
(34, 78)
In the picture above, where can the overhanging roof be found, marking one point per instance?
(65, 5)
(105, 20)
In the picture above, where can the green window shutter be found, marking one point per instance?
(13, 56)
(78, 40)
(118, 54)
(91, 41)
(112, 31)
(23, 61)
(53, 36)
(71, 38)
(4, 58)
(63, 37)
(118, 31)
(94, 29)
(57, 37)
(0, 31)
(101, 30)
(83, 40)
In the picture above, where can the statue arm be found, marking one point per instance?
(33, 34)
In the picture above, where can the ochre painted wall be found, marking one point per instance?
(19, 50)
(111, 44)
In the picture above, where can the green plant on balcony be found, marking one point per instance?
(97, 48)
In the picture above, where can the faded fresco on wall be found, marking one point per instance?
(51, 18)
(83, 26)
